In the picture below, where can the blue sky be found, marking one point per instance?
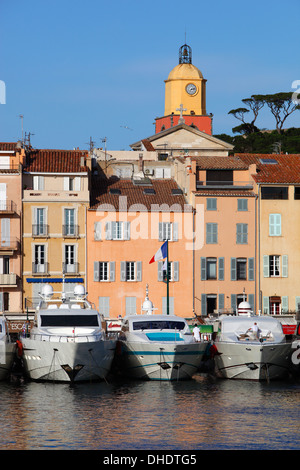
(81, 69)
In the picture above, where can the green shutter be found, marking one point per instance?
(221, 269)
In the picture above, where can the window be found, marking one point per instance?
(219, 177)
(242, 204)
(69, 222)
(39, 227)
(173, 271)
(39, 264)
(211, 268)
(242, 234)
(275, 225)
(270, 192)
(131, 271)
(211, 204)
(168, 231)
(130, 305)
(72, 183)
(69, 265)
(211, 233)
(275, 266)
(117, 230)
(297, 192)
(104, 306)
(38, 183)
(104, 271)
(241, 269)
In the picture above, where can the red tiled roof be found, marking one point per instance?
(8, 146)
(135, 194)
(220, 163)
(281, 169)
(56, 161)
(148, 146)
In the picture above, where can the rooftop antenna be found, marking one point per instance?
(27, 139)
(91, 144)
(21, 116)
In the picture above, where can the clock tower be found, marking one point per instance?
(185, 96)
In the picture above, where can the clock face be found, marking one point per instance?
(191, 89)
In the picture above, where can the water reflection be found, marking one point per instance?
(204, 413)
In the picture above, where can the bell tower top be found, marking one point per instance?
(185, 54)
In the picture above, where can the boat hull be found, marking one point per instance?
(159, 361)
(67, 361)
(7, 356)
(253, 360)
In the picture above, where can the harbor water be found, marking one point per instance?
(204, 413)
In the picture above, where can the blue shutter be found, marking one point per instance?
(251, 269)
(221, 269)
(203, 269)
(221, 302)
(284, 272)
(233, 269)
(233, 302)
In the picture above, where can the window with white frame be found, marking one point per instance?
(72, 183)
(38, 183)
(168, 231)
(69, 263)
(131, 271)
(117, 230)
(173, 271)
(39, 263)
(275, 265)
(69, 222)
(104, 271)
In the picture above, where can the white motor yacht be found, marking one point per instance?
(158, 347)
(68, 341)
(244, 353)
(7, 349)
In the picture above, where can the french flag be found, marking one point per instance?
(161, 253)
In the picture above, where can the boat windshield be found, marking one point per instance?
(69, 320)
(158, 325)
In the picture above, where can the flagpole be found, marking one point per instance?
(167, 277)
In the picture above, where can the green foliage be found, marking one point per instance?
(288, 141)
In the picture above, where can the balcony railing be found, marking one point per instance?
(40, 268)
(40, 230)
(224, 185)
(9, 243)
(70, 268)
(7, 206)
(71, 231)
(8, 279)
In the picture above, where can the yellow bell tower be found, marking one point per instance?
(185, 85)
(185, 96)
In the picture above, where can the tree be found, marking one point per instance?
(255, 103)
(281, 106)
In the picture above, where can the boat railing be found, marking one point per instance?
(67, 338)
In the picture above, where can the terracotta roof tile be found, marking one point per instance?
(139, 198)
(274, 168)
(56, 161)
(220, 163)
(8, 146)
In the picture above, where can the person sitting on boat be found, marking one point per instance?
(254, 330)
(196, 332)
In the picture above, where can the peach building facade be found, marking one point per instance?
(127, 223)
(222, 193)
(11, 159)
(55, 202)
